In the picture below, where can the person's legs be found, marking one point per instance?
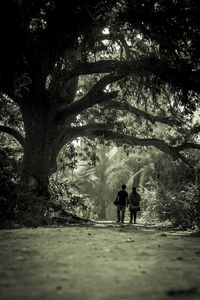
(118, 215)
(131, 216)
(135, 215)
(123, 212)
(118, 212)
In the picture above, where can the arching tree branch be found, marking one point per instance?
(100, 67)
(74, 132)
(94, 96)
(100, 131)
(16, 134)
(187, 79)
(187, 146)
(138, 112)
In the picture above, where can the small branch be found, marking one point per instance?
(99, 67)
(15, 133)
(126, 46)
(187, 146)
(87, 130)
(145, 115)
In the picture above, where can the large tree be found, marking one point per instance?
(95, 68)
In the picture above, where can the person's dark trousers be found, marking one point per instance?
(123, 211)
(118, 215)
(133, 213)
(122, 208)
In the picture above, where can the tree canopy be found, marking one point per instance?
(106, 69)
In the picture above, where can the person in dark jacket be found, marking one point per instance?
(122, 198)
(134, 204)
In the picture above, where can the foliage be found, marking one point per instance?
(10, 167)
(172, 196)
(149, 204)
(178, 207)
(10, 113)
(65, 198)
(29, 205)
(181, 207)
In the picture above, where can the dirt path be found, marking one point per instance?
(101, 262)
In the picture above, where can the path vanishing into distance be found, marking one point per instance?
(100, 261)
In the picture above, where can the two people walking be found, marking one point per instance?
(123, 201)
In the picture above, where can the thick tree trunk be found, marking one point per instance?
(35, 168)
(39, 162)
(40, 151)
(45, 134)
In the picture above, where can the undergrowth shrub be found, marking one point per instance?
(66, 199)
(30, 209)
(9, 180)
(181, 208)
(148, 205)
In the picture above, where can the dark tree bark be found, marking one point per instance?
(41, 148)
